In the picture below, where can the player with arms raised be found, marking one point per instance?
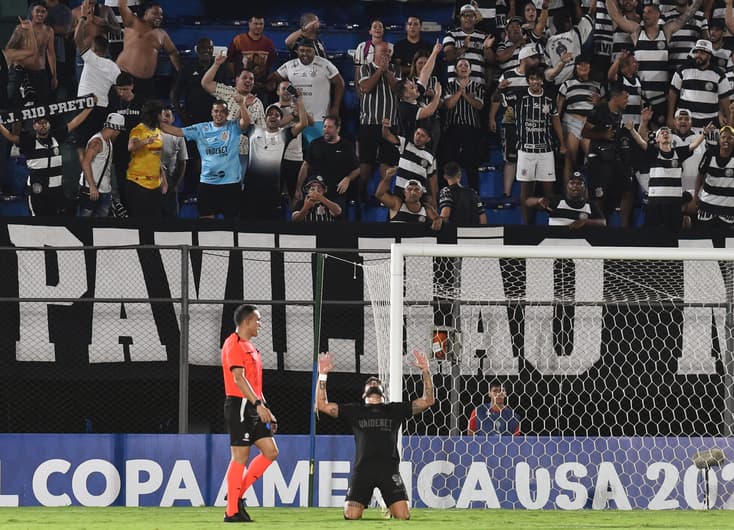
(375, 425)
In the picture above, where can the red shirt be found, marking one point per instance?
(238, 353)
(244, 43)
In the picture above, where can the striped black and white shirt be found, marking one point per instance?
(518, 86)
(717, 193)
(415, 163)
(700, 91)
(463, 114)
(666, 169)
(635, 101)
(603, 30)
(404, 215)
(43, 157)
(722, 59)
(533, 118)
(682, 41)
(381, 102)
(652, 57)
(513, 61)
(474, 54)
(565, 212)
(579, 95)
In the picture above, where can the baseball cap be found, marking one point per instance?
(276, 107)
(519, 20)
(414, 182)
(682, 112)
(529, 50)
(660, 130)
(576, 175)
(466, 8)
(583, 58)
(318, 179)
(303, 41)
(704, 46)
(115, 121)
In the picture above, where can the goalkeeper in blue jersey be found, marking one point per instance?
(494, 418)
(376, 425)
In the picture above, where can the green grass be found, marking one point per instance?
(317, 518)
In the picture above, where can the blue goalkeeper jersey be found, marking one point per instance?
(493, 422)
(219, 148)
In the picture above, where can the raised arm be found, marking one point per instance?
(80, 32)
(302, 117)
(428, 398)
(322, 403)
(79, 118)
(10, 137)
(22, 43)
(387, 133)
(629, 26)
(674, 25)
(383, 191)
(633, 132)
(128, 17)
(207, 81)
(430, 109)
(428, 68)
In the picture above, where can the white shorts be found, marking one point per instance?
(532, 167)
(573, 124)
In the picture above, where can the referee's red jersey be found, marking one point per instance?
(238, 353)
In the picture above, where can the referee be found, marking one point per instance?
(247, 417)
(375, 425)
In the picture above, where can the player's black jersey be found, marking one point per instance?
(375, 430)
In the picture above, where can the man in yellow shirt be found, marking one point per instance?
(146, 180)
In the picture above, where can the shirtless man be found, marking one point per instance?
(100, 21)
(142, 40)
(37, 67)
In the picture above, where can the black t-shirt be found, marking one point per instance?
(131, 112)
(465, 204)
(197, 101)
(332, 161)
(375, 430)
(404, 51)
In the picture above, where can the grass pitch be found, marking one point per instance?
(318, 518)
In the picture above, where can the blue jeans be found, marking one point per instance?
(98, 208)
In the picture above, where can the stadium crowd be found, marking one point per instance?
(599, 107)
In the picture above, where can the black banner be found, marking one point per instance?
(75, 105)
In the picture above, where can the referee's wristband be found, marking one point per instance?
(257, 403)
(323, 377)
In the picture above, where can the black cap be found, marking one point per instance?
(583, 58)
(302, 41)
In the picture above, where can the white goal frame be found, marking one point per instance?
(399, 251)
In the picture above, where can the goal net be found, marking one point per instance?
(611, 373)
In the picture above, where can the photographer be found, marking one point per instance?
(611, 156)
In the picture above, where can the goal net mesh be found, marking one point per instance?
(615, 376)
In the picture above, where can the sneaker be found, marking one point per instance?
(243, 512)
(506, 203)
(236, 518)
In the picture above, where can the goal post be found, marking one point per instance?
(597, 349)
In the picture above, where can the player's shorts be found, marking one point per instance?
(387, 479)
(243, 423)
(509, 142)
(535, 167)
(219, 199)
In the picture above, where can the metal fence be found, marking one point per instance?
(127, 339)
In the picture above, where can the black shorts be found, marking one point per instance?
(386, 479)
(509, 142)
(219, 199)
(373, 148)
(609, 178)
(243, 423)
